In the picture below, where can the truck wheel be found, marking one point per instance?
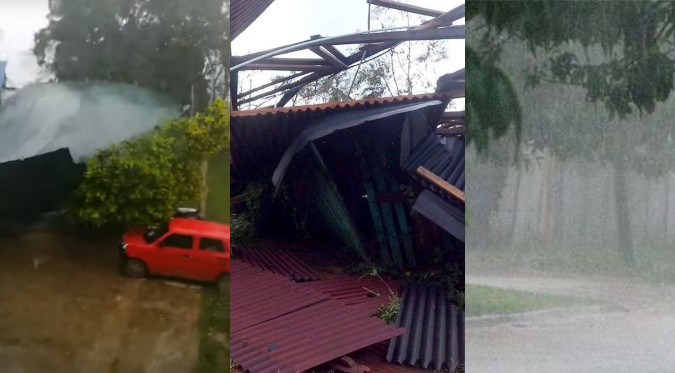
(135, 268)
(223, 283)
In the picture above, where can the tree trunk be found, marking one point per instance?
(548, 195)
(622, 214)
(648, 217)
(204, 192)
(514, 216)
(559, 229)
(665, 211)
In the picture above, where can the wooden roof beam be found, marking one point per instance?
(442, 184)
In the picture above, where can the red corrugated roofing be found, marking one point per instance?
(443, 96)
(307, 338)
(282, 262)
(280, 326)
(258, 296)
(370, 292)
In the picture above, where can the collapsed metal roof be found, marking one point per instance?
(82, 117)
(339, 122)
(260, 137)
(444, 157)
(290, 333)
(36, 185)
(435, 330)
(331, 60)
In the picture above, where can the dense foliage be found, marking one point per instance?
(171, 46)
(143, 180)
(619, 52)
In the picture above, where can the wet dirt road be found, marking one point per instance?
(633, 330)
(64, 308)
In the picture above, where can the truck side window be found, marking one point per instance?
(210, 244)
(179, 241)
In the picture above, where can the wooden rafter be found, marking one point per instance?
(440, 183)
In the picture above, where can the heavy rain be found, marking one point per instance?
(570, 263)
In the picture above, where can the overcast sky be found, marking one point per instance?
(19, 21)
(284, 22)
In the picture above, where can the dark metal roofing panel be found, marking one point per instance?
(282, 262)
(37, 185)
(306, 338)
(435, 330)
(258, 296)
(374, 357)
(260, 140)
(244, 12)
(444, 156)
(443, 213)
(338, 122)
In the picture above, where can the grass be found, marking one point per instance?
(389, 311)
(214, 331)
(654, 264)
(484, 300)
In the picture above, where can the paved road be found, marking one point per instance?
(634, 330)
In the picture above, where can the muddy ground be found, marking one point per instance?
(65, 308)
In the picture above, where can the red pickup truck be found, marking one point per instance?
(190, 249)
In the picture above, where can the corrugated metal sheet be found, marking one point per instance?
(368, 291)
(444, 156)
(258, 296)
(37, 185)
(446, 215)
(244, 12)
(280, 326)
(259, 138)
(350, 104)
(282, 262)
(306, 338)
(339, 122)
(435, 330)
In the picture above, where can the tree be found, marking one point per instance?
(409, 68)
(619, 52)
(171, 46)
(615, 53)
(142, 181)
